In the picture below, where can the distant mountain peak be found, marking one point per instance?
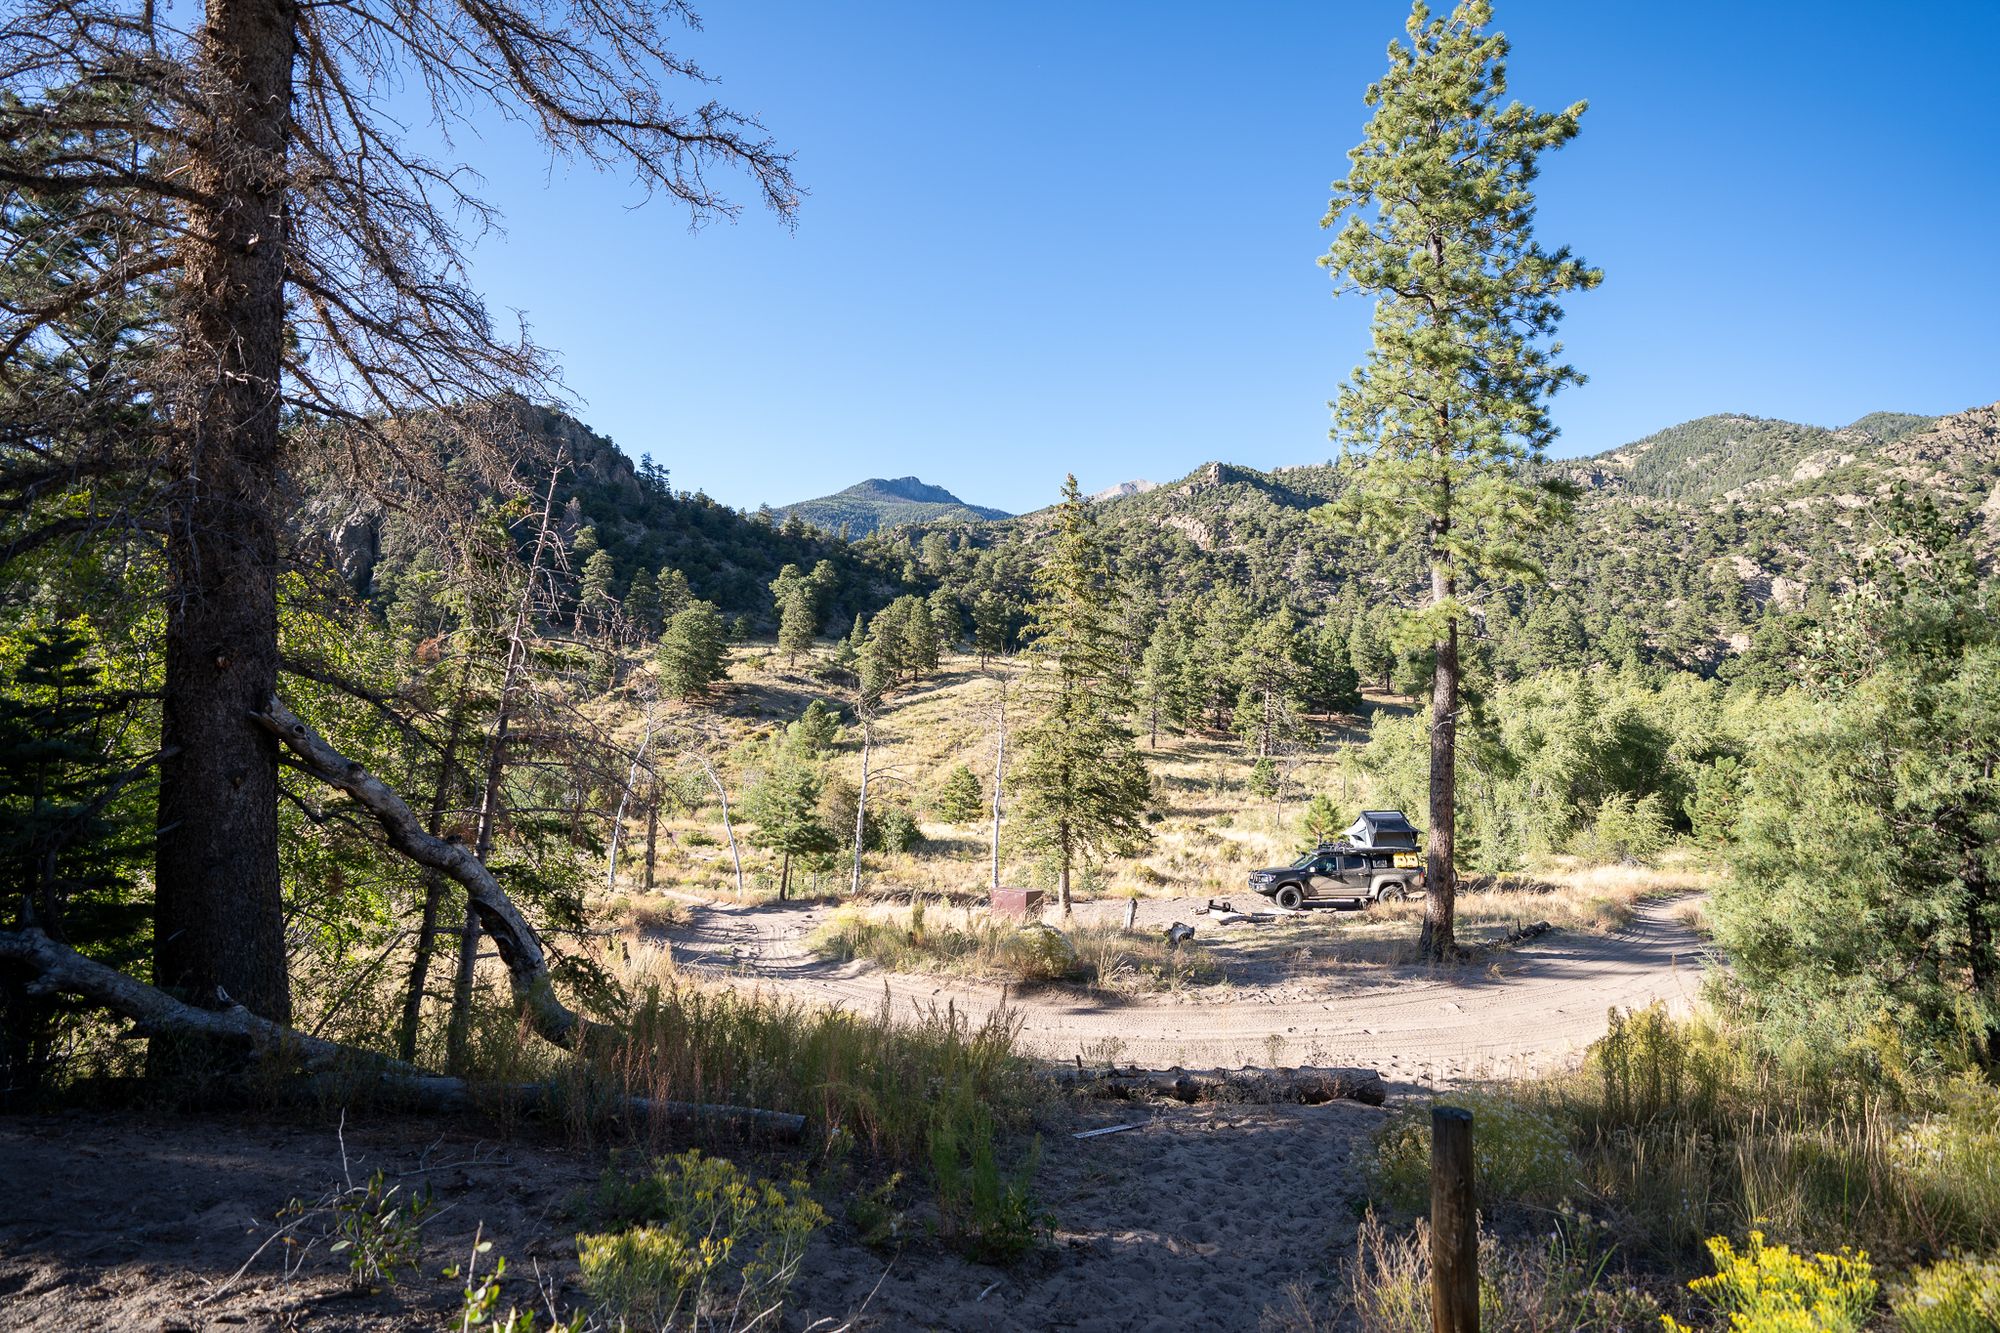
(1125, 488)
(914, 489)
(887, 502)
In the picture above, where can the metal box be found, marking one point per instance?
(1017, 902)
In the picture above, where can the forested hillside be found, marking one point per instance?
(1689, 548)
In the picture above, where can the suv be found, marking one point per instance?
(1342, 874)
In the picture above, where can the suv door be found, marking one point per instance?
(1339, 877)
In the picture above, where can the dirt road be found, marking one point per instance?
(1533, 1008)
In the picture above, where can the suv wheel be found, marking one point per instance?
(1289, 897)
(1391, 893)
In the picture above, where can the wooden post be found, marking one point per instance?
(1454, 1224)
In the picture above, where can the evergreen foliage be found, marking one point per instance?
(692, 654)
(1435, 225)
(1084, 787)
(959, 799)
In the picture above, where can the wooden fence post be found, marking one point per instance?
(1454, 1224)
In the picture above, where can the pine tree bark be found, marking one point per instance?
(219, 922)
(1437, 940)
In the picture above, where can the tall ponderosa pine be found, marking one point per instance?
(1435, 223)
(1083, 785)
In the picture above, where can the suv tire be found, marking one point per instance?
(1289, 897)
(1391, 893)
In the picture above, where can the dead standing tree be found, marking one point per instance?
(312, 262)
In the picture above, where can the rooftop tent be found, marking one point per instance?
(1382, 828)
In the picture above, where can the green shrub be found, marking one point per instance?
(899, 831)
(715, 1242)
(1952, 1158)
(1519, 1153)
(1651, 1067)
(700, 838)
(987, 1214)
(1771, 1289)
(1626, 830)
(1952, 1296)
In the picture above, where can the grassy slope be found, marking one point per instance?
(1209, 833)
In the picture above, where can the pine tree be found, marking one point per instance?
(595, 605)
(884, 653)
(1329, 683)
(691, 655)
(947, 625)
(990, 623)
(1083, 785)
(1162, 687)
(674, 592)
(73, 838)
(785, 808)
(642, 605)
(959, 799)
(920, 638)
(816, 732)
(797, 625)
(1435, 223)
(1267, 705)
(1322, 819)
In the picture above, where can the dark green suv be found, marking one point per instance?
(1341, 874)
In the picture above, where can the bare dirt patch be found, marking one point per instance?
(1294, 992)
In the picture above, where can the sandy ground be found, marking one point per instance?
(1289, 997)
(121, 1222)
(1199, 1218)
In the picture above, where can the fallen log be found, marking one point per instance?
(1306, 1086)
(519, 946)
(332, 1069)
(57, 967)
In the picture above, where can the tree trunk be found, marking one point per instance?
(624, 798)
(728, 829)
(1984, 960)
(1437, 938)
(652, 830)
(861, 805)
(784, 876)
(458, 1028)
(434, 883)
(218, 910)
(1062, 874)
(999, 777)
(519, 946)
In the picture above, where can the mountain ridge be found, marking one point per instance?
(886, 502)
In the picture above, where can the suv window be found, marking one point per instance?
(1353, 863)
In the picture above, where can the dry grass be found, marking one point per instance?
(939, 938)
(1208, 830)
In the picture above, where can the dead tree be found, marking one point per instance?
(496, 770)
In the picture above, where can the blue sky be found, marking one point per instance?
(1052, 237)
